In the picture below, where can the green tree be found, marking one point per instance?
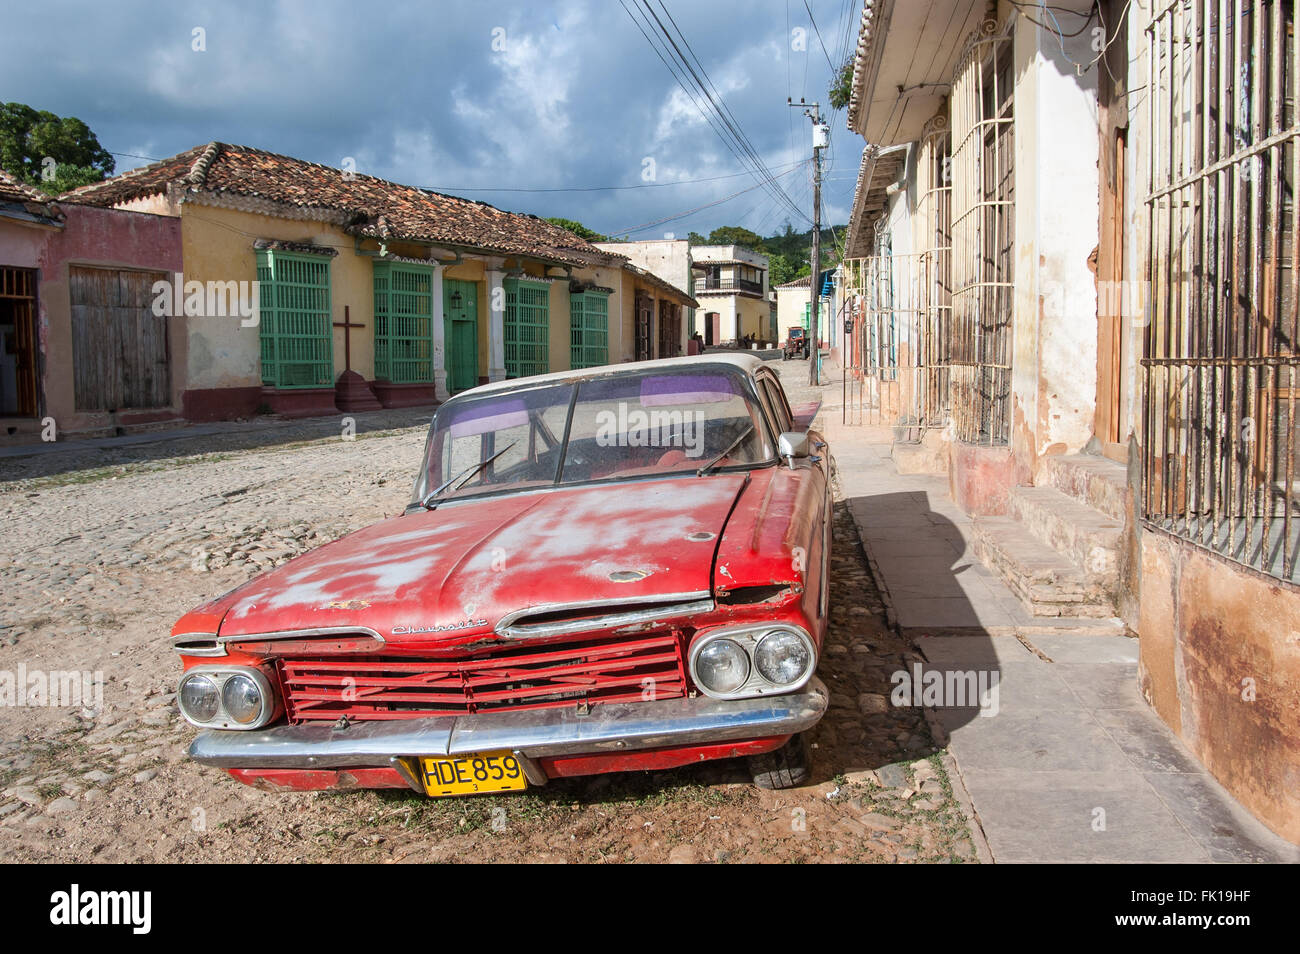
(50, 152)
(577, 228)
(734, 235)
(780, 270)
(841, 90)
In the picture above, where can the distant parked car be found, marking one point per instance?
(796, 343)
(604, 570)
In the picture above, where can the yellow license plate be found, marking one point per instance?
(478, 774)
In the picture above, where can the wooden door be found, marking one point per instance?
(1111, 302)
(119, 346)
(670, 329)
(460, 308)
(1114, 305)
(644, 319)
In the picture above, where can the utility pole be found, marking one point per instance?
(821, 139)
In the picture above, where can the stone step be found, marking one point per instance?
(1099, 482)
(922, 458)
(1046, 582)
(1088, 538)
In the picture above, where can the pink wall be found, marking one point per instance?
(107, 238)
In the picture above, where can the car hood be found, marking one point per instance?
(454, 572)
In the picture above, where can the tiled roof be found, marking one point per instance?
(36, 206)
(373, 208)
(14, 190)
(798, 283)
(868, 45)
(879, 169)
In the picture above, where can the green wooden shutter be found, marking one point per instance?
(297, 333)
(403, 323)
(527, 327)
(589, 329)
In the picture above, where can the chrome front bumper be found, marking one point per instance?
(536, 733)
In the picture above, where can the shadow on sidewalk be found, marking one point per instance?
(881, 684)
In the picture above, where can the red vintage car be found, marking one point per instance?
(603, 570)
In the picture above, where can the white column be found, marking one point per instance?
(439, 337)
(496, 322)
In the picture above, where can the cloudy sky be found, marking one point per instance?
(468, 97)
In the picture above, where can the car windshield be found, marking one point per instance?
(608, 427)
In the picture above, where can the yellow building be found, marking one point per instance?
(307, 289)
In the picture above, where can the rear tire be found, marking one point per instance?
(786, 767)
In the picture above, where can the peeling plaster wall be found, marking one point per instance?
(218, 244)
(105, 238)
(1054, 375)
(1220, 663)
(1068, 226)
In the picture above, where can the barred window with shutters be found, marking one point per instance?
(589, 329)
(983, 242)
(296, 328)
(1221, 456)
(527, 327)
(403, 322)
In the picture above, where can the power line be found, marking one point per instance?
(698, 208)
(819, 38)
(690, 94)
(719, 105)
(726, 126)
(618, 188)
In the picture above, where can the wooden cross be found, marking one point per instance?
(347, 325)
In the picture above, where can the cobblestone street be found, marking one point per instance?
(100, 560)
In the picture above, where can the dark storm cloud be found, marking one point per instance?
(454, 95)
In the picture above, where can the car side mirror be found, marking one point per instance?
(793, 445)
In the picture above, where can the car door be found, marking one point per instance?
(818, 544)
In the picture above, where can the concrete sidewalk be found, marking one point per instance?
(1066, 763)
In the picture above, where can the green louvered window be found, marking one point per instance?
(403, 323)
(589, 329)
(527, 327)
(296, 328)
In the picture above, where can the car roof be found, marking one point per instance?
(748, 363)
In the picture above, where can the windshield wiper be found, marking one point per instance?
(726, 453)
(466, 474)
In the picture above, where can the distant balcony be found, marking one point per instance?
(729, 285)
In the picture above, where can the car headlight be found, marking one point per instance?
(782, 657)
(199, 699)
(242, 699)
(722, 666)
(743, 661)
(216, 697)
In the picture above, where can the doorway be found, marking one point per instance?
(460, 308)
(120, 353)
(1114, 303)
(19, 358)
(644, 318)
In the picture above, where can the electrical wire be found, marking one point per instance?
(618, 188)
(716, 121)
(720, 107)
(698, 208)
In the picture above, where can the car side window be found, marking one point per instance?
(780, 409)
